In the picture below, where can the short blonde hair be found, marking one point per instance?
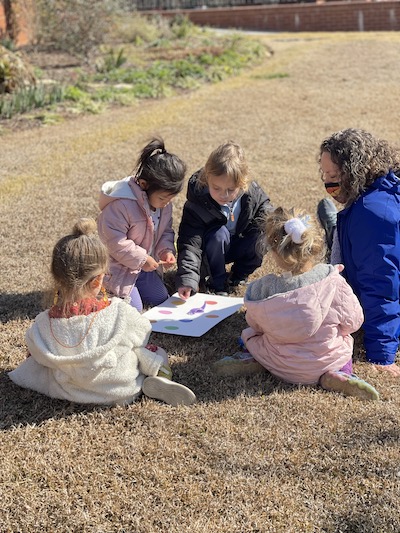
(227, 159)
(77, 259)
(293, 256)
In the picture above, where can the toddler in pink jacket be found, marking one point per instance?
(300, 322)
(135, 224)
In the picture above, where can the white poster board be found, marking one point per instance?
(192, 317)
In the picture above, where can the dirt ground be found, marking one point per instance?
(254, 454)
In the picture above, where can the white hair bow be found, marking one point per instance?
(295, 227)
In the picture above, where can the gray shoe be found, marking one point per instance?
(327, 214)
(167, 391)
(238, 364)
(237, 282)
(217, 292)
(349, 385)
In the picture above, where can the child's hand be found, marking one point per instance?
(184, 292)
(150, 265)
(167, 259)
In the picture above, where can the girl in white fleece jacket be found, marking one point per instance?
(87, 348)
(300, 322)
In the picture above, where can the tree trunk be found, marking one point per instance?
(11, 20)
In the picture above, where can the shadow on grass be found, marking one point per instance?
(21, 407)
(191, 359)
(360, 519)
(16, 305)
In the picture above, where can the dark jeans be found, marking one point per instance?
(149, 289)
(221, 248)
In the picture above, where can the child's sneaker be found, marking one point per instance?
(237, 282)
(167, 391)
(238, 364)
(349, 385)
(217, 292)
(165, 371)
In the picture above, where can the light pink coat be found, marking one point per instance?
(301, 334)
(126, 228)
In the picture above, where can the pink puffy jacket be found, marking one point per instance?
(126, 228)
(301, 334)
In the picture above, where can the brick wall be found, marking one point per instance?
(329, 16)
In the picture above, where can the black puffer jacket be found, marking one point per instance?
(201, 214)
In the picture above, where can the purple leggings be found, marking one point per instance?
(149, 289)
(348, 367)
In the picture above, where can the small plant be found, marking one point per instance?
(271, 76)
(74, 93)
(7, 43)
(137, 29)
(181, 27)
(5, 75)
(48, 119)
(29, 98)
(15, 72)
(111, 61)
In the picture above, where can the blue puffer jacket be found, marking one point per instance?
(369, 236)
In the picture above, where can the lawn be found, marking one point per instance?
(253, 454)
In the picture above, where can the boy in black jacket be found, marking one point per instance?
(221, 223)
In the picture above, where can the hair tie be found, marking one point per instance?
(295, 227)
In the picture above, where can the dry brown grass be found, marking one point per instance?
(254, 454)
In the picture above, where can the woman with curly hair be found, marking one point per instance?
(361, 172)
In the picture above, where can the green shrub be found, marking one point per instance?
(7, 43)
(111, 61)
(181, 27)
(187, 55)
(74, 26)
(74, 93)
(15, 72)
(134, 28)
(29, 98)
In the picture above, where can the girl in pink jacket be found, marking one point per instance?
(135, 224)
(300, 322)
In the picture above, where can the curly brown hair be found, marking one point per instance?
(361, 158)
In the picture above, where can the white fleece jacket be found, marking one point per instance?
(108, 367)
